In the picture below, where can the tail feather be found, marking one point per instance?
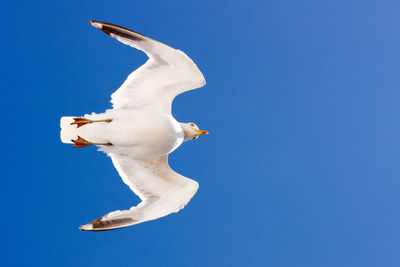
(68, 132)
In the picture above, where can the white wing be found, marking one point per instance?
(161, 190)
(167, 73)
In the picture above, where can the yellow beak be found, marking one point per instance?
(200, 132)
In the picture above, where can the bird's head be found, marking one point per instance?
(191, 131)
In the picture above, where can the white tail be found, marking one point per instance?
(68, 132)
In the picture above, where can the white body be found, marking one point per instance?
(139, 133)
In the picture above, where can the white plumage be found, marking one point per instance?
(140, 131)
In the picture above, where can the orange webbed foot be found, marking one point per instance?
(80, 142)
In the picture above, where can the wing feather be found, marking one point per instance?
(168, 72)
(161, 190)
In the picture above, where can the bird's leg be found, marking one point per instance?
(80, 142)
(83, 121)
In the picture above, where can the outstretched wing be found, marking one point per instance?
(161, 190)
(154, 85)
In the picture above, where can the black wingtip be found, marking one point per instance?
(109, 28)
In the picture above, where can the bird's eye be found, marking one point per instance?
(192, 124)
(194, 138)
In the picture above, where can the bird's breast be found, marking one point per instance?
(147, 134)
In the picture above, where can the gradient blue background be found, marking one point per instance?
(302, 164)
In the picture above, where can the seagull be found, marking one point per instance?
(139, 131)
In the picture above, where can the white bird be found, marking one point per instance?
(139, 131)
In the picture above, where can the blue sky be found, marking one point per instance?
(301, 167)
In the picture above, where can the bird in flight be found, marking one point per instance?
(139, 131)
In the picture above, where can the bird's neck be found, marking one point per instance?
(185, 130)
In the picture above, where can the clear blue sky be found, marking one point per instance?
(302, 164)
